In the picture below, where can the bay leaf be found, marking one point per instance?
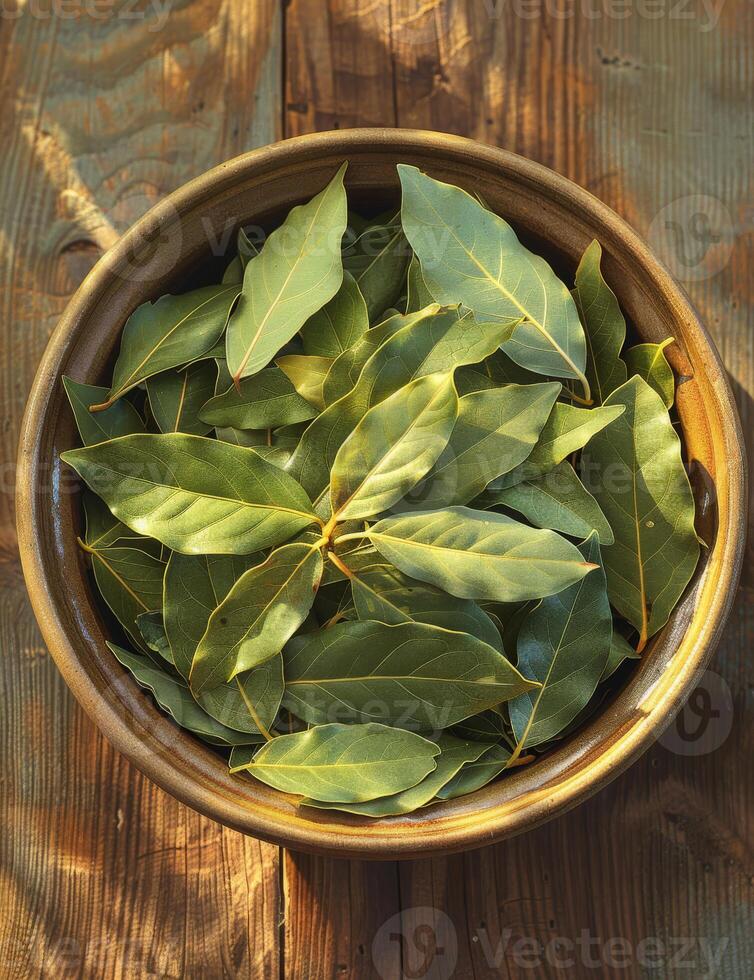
(251, 702)
(120, 419)
(307, 374)
(487, 727)
(347, 367)
(393, 446)
(169, 333)
(297, 271)
(478, 555)
(174, 697)
(650, 363)
(495, 432)
(493, 372)
(557, 500)
(176, 398)
(418, 295)
(195, 495)
(195, 585)
(130, 582)
(382, 593)
(103, 529)
(567, 430)
(378, 261)
(620, 650)
(454, 754)
(564, 644)
(339, 324)
(635, 472)
(345, 763)
(470, 255)
(437, 342)
(475, 775)
(260, 613)
(263, 401)
(410, 675)
(603, 323)
(152, 629)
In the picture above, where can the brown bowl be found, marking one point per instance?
(168, 250)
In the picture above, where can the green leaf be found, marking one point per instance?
(556, 500)
(173, 696)
(410, 675)
(454, 753)
(195, 495)
(152, 629)
(650, 363)
(475, 775)
(339, 324)
(265, 400)
(120, 419)
(169, 333)
(345, 763)
(636, 473)
(567, 430)
(298, 270)
(418, 295)
(130, 582)
(377, 261)
(176, 398)
(488, 726)
(477, 555)
(470, 255)
(347, 367)
(563, 644)
(620, 650)
(104, 530)
(496, 430)
(394, 445)
(382, 593)
(261, 612)
(307, 375)
(195, 585)
(493, 372)
(603, 323)
(434, 343)
(251, 702)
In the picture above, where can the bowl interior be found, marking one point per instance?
(186, 241)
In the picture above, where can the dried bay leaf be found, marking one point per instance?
(177, 397)
(650, 363)
(259, 614)
(636, 474)
(297, 271)
(470, 255)
(120, 419)
(410, 675)
(563, 644)
(339, 324)
(263, 401)
(479, 555)
(307, 374)
(604, 325)
(169, 333)
(195, 495)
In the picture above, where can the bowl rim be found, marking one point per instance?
(461, 825)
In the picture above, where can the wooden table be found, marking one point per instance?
(104, 108)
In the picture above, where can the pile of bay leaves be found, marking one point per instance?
(381, 512)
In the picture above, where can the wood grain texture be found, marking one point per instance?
(104, 875)
(101, 873)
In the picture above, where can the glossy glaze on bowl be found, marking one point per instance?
(175, 247)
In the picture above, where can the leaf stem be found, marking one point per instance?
(340, 565)
(254, 716)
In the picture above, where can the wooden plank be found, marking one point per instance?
(647, 114)
(101, 873)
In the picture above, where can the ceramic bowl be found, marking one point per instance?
(179, 245)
